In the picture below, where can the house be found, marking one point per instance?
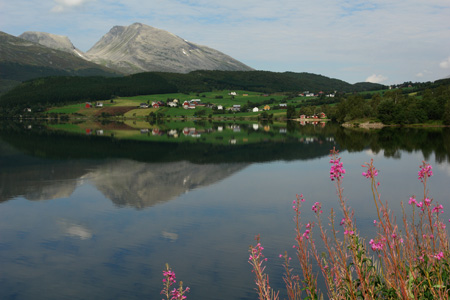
(157, 131)
(283, 105)
(172, 104)
(266, 107)
(323, 115)
(155, 104)
(255, 109)
(144, 131)
(99, 104)
(143, 105)
(88, 105)
(236, 107)
(219, 107)
(302, 117)
(232, 94)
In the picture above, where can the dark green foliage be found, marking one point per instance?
(60, 90)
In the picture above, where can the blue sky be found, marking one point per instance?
(353, 40)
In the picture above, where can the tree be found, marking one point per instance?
(290, 112)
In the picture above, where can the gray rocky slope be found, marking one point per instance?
(58, 42)
(138, 48)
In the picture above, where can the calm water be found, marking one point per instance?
(86, 217)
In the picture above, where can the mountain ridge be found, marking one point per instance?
(22, 60)
(141, 48)
(53, 41)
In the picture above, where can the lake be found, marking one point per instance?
(94, 211)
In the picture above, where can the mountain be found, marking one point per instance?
(58, 42)
(21, 60)
(139, 48)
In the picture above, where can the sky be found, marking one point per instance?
(381, 41)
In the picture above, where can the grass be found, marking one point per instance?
(215, 97)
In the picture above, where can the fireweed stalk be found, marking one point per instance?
(408, 263)
(168, 280)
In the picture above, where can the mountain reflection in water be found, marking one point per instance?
(124, 182)
(145, 184)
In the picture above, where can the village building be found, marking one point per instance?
(236, 107)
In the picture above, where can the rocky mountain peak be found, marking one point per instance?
(139, 47)
(53, 41)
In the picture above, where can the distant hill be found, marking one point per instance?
(139, 48)
(22, 60)
(58, 90)
(58, 42)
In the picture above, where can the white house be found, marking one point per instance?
(219, 107)
(255, 109)
(236, 107)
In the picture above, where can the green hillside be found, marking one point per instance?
(63, 90)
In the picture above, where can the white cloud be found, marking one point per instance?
(376, 78)
(445, 64)
(63, 5)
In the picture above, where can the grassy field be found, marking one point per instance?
(222, 98)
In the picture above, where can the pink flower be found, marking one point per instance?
(439, 256)
(371, 173)
(316, 207)
(376, 246)
(425, 171)
(412, 200)
(336, 171)
(438, 209)
(342, 221)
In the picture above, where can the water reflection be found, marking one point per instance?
(104, 237)
(124, 182)
(129, 183)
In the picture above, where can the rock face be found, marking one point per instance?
(22, 59)
(58, 42)
(139, 48)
